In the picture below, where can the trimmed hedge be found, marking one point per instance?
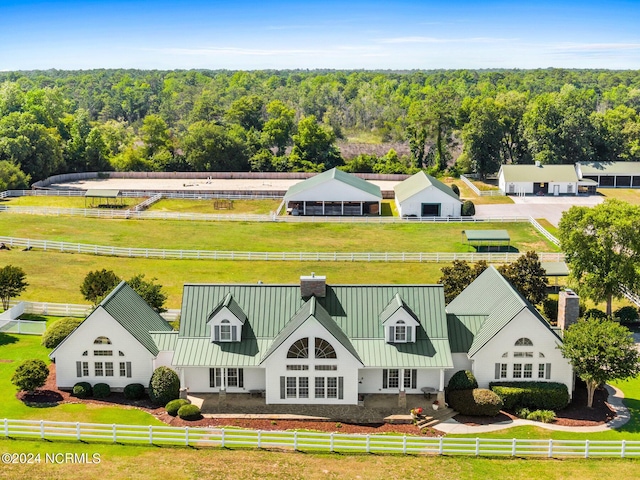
(174, 405)
(468, 209)
(462, 380)
(533, 395)
(164, 386)
(189, 412)
(82, 390)
(59, 330)
(101, 390)
(133, 391)
(478, 401)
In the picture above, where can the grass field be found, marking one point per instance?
(239, 207)
(265, 236)
(631, 195)
(467, 194)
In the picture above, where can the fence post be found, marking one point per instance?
(114, 432)
(477, 447)
(78, 436)
(222, 438)
(331, 443)
(550, 448)
(259, 438)
(404, 444)
(623, 448)
(42, 429)
(586, 449)
(186, 436)
(513, 448)
(150, 434)
(368, 443)
(6, 427)
(441, 446)
(295, 440)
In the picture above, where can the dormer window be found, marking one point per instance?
(226, 321)
(400, 332)
(399, 322)
(225, 332)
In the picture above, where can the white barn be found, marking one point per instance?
(422, 195)
(112, 345)
(334, 192)
(538, 179)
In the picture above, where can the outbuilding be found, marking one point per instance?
(611, 174)
(334, 192)
(422, 195)
(538, 179)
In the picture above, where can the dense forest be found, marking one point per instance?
(450, 120)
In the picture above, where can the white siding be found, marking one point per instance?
(100, 323)
(347, 367)
(372, 381)
(523, 325)
(196, 379)
(449, 207)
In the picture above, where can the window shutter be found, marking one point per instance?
(385, 378)
(548, 372)
(128, 369)
(234, 330)
(216, 333)
(282, 387)
(409, 334)
(391, 334)
(497, 371)
(78, 369)
(340, 388)
(240, 376)
(414, 378)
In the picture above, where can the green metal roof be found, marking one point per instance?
(396, 304)
(490, 295)
(334, 174)
(165, 341)
(353, 310)
(487, 235)
(462, 331)
(135, 315)
(425, 353)
(610, 168)
(555, 269)
(417, 183)
(542, 174)
(311, 309)
(233, 307)
(102, 193)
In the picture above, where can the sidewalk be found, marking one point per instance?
(615, 400)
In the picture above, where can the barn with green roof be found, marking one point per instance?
(422, 195)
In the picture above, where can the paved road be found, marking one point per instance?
(550, 208)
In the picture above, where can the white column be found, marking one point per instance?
(361, 208)
(342, 206)
(401, 379)
(441, 387)
(323, 208)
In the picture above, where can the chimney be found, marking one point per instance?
(568, 309)
(313, 285)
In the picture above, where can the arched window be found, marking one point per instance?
(299, 349)
(102, 341)
(505, 355)
(401, 331)
(225, 331)
(121, 353)
(524, 342)
(85, 353)
(324, 349)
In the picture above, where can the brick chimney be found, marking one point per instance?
(568, 309)
(313, 285)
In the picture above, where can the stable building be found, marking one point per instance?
(610, 174)
(538, 179)
(422, 195)
(336, 193)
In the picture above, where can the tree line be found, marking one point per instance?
(457, 120)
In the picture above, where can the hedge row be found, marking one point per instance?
(478, 401)
(133, 391)
(532, 395)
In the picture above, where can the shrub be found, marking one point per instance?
(550, 308)
(533, 395)
(59, 330)
(164, 386)
(101, 390)
(626, 314)
(523, 413)
(544, 416)
(455, 189)
(174, 405)
(189, 412)
(462, 380)
(468, 209)
(82, 390)
(134, 391)
(595, 313)
(30, 374)
(478, 401)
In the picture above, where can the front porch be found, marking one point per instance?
(374, 408)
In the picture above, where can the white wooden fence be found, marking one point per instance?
(142, 193)
(314, 441)
(481, 193)
(49, 245)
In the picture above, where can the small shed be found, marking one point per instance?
(555, 270)
(110, 197)
(422, 195)
(333, 192)
(488, 239)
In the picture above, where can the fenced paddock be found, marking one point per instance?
(314, 441)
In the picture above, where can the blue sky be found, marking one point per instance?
(319, 34)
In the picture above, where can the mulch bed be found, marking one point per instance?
(576, 414)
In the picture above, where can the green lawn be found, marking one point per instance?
(467, 194)
(239, 207)
(62, 202)
(265, 236)
(631, 195)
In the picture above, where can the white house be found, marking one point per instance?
(315, 343)
(422, 195)
(113, 345)
(333, 192)
(499, 336)
(538, 179)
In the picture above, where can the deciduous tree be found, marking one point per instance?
(97, 284)
(527, 276)
(459, 276)
(30, 375)
(12, 283)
